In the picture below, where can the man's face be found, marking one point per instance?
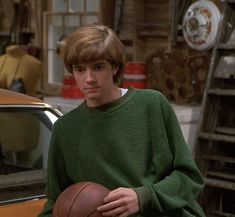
(95, 80)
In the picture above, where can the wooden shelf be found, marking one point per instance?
(225, 47)
(215, 154)
(217, 137)
(219, 158)
(220, 183)
(221, 175)
(226, 130)
(222, 92)
(223, 214)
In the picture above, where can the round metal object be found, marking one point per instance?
(201, 24)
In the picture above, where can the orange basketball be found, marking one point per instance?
(80, 200)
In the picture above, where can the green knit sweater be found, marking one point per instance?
(135, 142)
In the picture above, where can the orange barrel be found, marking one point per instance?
(69, 88)
(134, 75)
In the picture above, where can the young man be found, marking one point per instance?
(128, 140)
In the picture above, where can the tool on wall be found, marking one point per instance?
(21, 32)
(118, 15)
(178, 8)
(200, 25)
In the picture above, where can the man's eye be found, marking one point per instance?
(99, 67)
(77, 69)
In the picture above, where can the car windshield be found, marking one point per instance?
(24, 142)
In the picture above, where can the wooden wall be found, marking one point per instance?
(147, 26)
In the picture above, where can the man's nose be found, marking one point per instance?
(90, 77)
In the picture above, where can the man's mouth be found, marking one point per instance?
(90, 88)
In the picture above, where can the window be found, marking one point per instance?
(25, 134)
(65, 17)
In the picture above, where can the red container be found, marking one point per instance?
(135, 68)
(134, 75)
(71, 91)
(69, 80)
(69, 88)
(141, 84)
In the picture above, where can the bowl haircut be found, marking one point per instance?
(93, 43)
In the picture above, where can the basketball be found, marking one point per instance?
(80, 200)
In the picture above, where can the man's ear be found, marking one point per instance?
(115, 70)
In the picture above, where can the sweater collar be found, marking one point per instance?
(108, 107)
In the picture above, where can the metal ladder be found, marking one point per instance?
(215, 145)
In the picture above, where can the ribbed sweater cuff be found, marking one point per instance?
(144, 196)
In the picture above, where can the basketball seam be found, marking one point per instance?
(92, 212)
(77, 197)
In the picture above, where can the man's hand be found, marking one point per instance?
(120, 202)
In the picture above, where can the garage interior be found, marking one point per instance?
(183, 48)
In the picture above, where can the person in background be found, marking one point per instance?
(128, 140)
